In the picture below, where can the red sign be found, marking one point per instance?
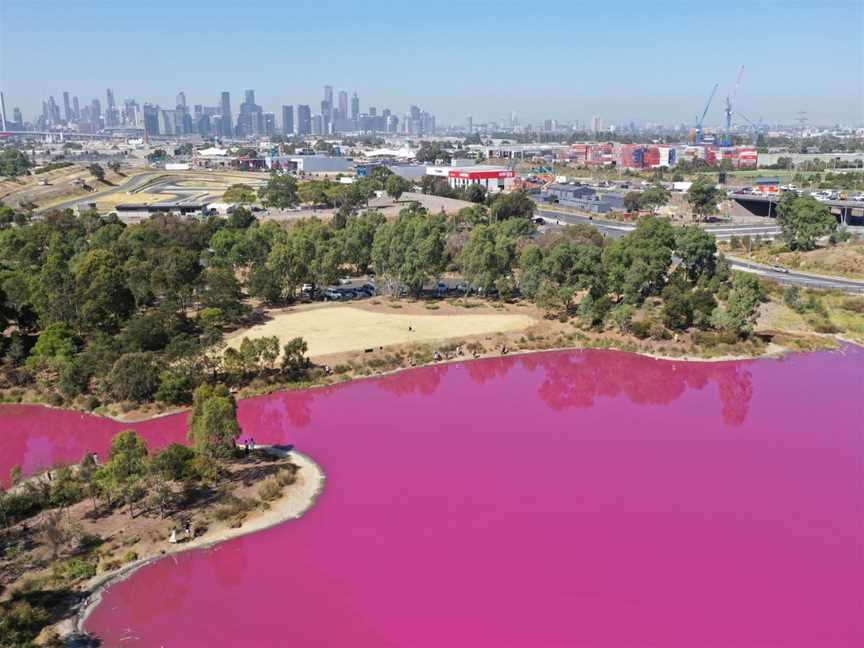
(482, 175)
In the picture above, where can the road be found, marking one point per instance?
(616, 230)
(803, 279)
(132, 184)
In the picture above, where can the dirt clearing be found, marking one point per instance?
(332, 329)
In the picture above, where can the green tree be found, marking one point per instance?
(803, 220)
(742, 307)
(409, 251)
(637, 264)
(294, 360)
(476, 193)
(54, 348)
(632, 201)
(213, 425)
(512, 205)
(677, 308)
(104, 300)
(531, 271)
(239, 193)
(134, 377)
(357, 238)
(654, 197)
(396, 186)
(488, 256)
(697, 250)
(13, 162)
(126, 468)
(97, 172)
(702, 197)
(280, 192)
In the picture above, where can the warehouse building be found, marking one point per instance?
(491, 178)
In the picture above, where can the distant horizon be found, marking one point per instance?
(624, 63)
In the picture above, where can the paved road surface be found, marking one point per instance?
(798, 278)
(616, 230)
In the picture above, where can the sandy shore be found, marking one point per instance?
(299, 497)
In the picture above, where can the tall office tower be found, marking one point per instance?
(415, 112)
(596, 124)
(250, 97)
(226, 122)
(304, 120)
(373, 111)
(95, 109)
(181, 99)
(16, 114)
(110, 108)
(53, 111)
(67, 108)
(132, 114)
(343, 104)
(287, 120)
(318, 125)
(269, 124)
(76, 110)
(470, 121)
(328, 95)
(355, 106)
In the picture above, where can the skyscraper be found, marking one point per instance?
(596, 126)
(287, 120)
(226, 121)
(343, 104)
(67, 108)
(355, 106)
(76, 110)
(328, 95)
(304, 120)
(109, 97)
(181, 99)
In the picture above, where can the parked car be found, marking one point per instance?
(442, 289)
(367, 289)
(332, 294)
(344, 281)
(777, 268)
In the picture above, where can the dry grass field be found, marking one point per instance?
(330, 329)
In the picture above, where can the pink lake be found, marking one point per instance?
(582, 499)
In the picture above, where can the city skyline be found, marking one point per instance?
(565, 63)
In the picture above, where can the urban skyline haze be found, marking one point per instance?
(566, 61)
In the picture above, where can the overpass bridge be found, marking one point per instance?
(848, 212)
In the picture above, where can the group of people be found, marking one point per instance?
(248, 445)
(186, 531)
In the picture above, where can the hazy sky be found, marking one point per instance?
(651, 60)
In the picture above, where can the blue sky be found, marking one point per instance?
(624, 61)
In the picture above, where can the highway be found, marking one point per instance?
(616, 230)
(792, 277)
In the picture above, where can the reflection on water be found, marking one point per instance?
(553, 499)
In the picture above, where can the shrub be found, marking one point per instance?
(76, 569)
(129, 556)
(641, 329)
(270, 490)
(853, 305)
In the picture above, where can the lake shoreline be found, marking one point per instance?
(772, 351)
(292, 505)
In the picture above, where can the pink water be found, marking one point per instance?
(586, 499)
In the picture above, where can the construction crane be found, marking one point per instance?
(727, 134)
(755, 129)
(697, 139)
